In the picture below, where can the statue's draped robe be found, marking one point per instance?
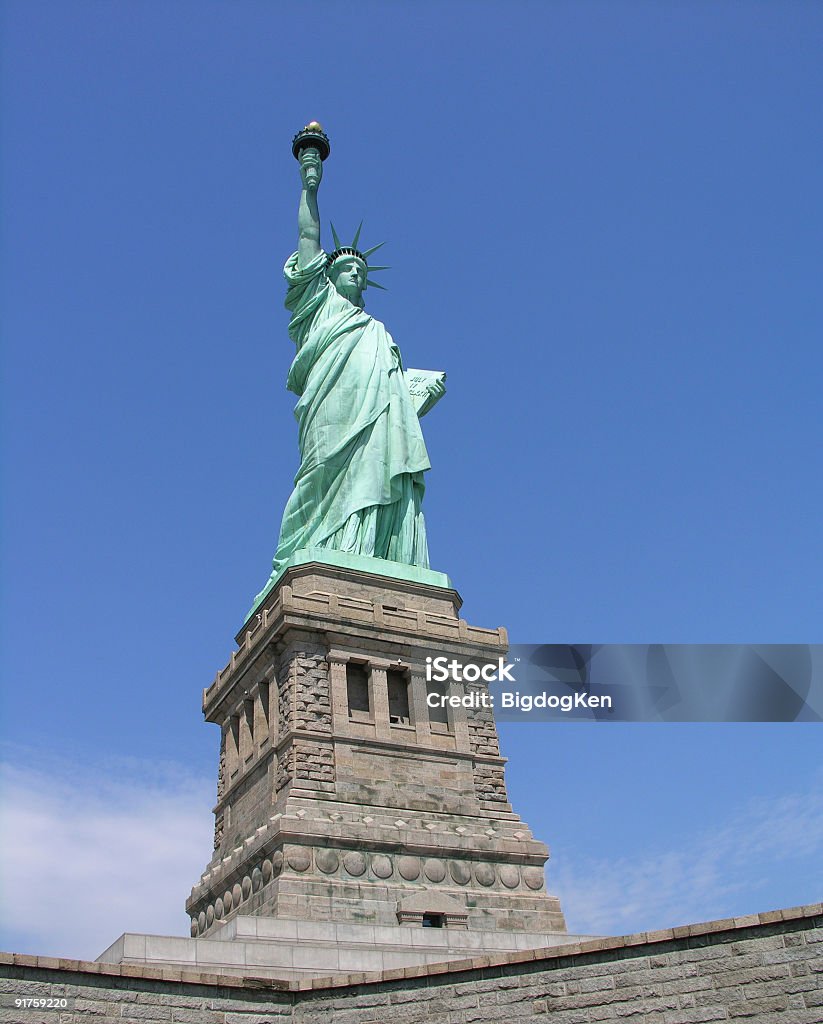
(362, 454)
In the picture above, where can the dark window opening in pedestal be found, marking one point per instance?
(398, 684)
(264, 700)
(433, 921)
(357, 690)
(233, 746)
(248, 711)
(438, 712)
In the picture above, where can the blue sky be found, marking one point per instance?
(604, 223)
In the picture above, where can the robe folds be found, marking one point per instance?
(362, 454)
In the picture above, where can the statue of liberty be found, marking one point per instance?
(360, 484)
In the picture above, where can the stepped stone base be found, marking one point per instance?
(289, 949)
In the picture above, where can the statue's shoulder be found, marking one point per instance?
(315, 269)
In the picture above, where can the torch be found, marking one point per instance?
(311, 137)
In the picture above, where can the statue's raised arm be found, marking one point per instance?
(308, 216)
(311, 147)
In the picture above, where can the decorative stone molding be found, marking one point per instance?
(327, 861)
(382, 866)
(509, 876)
(409, 868)
(484, 874)
(434, 870)
(298, 858)
(355, 863)
(460, 872)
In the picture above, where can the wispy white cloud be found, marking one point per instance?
(720, 872)
(90, 852)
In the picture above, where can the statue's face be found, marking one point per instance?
(348, 275)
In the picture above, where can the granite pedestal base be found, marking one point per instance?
(344, 798)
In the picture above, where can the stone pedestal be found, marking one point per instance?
(342, 796)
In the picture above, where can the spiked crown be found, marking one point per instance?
(352, 250)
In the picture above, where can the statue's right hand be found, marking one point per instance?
(311, 168)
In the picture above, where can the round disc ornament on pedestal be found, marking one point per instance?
(409, 868)
(484, 873)
(460, 872)
(382, 866)
(509, 876)
(434, 870)
(298, 858)
(355, 863)
(327, 861)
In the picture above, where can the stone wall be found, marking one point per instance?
(762, 968)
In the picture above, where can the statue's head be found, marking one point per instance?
(349, 270)
(348, 274)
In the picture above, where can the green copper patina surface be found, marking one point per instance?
(362, 455)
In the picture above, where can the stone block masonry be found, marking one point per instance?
(762, 969)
